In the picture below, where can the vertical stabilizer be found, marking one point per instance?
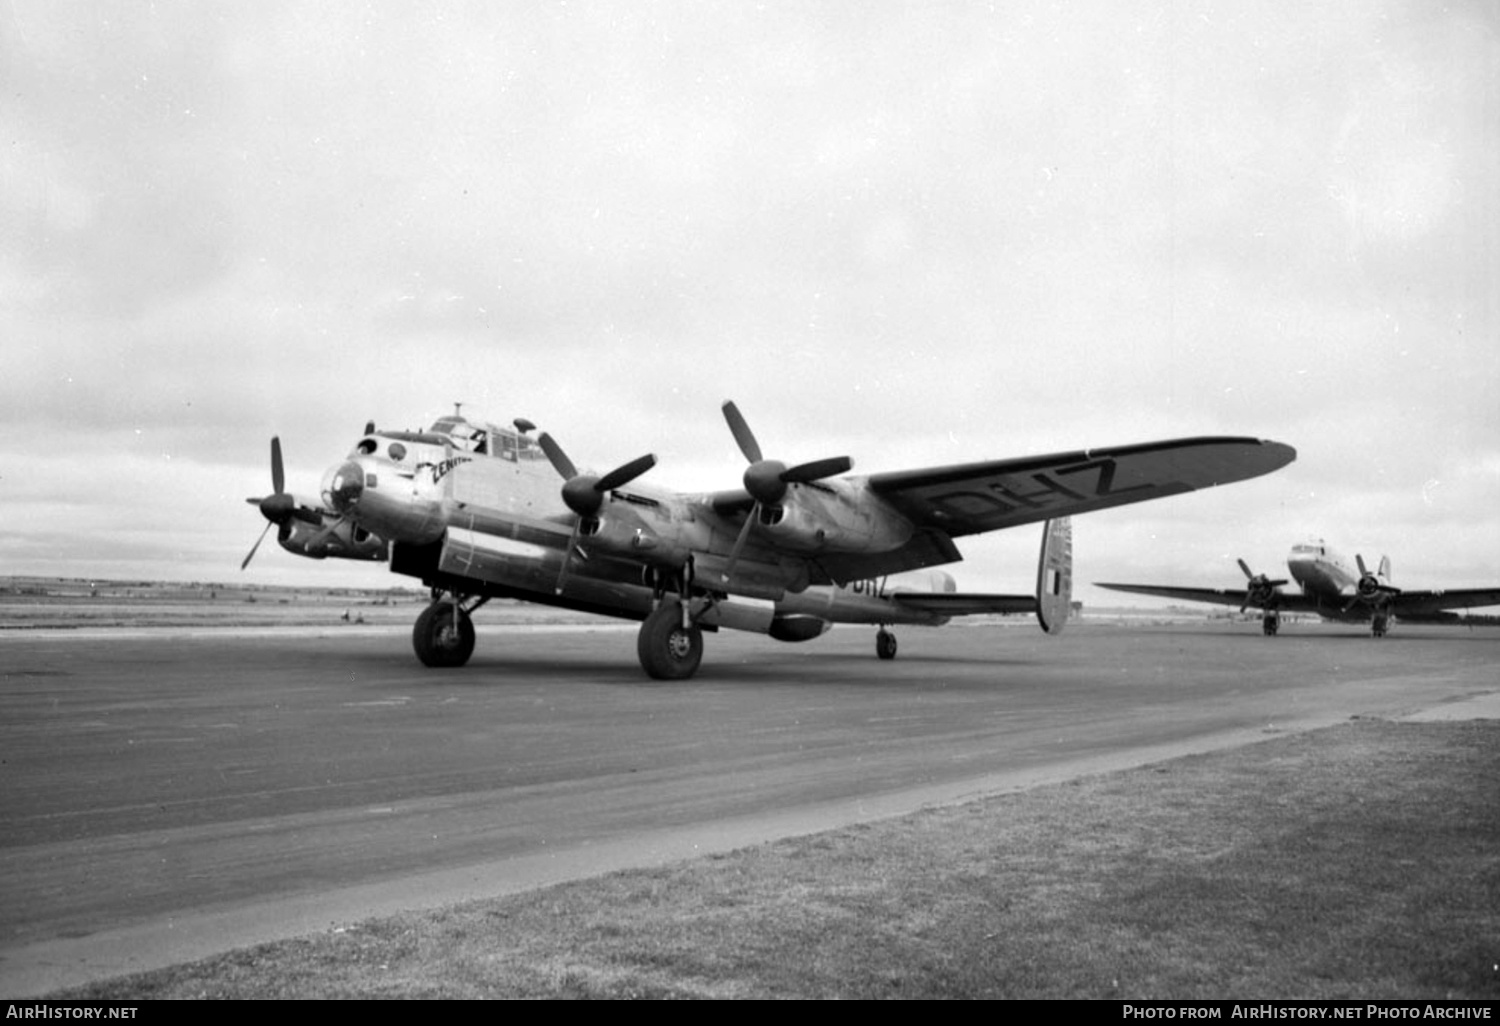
(1384, 573)
(1054, 575)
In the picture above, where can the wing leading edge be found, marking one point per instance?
(976, 497)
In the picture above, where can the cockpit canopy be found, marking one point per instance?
(456, 433)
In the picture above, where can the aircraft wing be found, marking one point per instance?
(975, 497)
(957, 603)
(1416, 603)
(1287, 601)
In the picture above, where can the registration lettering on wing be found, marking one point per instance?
(1082, 484)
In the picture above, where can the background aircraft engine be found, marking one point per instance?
(1260, 590)
(1371, 588)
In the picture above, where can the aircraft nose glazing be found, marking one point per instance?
(344, 486)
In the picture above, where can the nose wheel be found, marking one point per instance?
(885, 644)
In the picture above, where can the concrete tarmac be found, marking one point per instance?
(173, 794)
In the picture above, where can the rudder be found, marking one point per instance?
(1054, 575)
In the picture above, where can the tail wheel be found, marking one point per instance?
(667, 649)
(443, 635)
(885, 644)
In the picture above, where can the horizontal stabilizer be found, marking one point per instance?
(957, 603)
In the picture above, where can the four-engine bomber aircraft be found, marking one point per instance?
(475, 512)
(1333, 588)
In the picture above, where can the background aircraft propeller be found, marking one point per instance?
(766, 480)
(1370, 587)
(584, 493)
(1260, 590)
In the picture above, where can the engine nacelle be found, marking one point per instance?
(833, 516)
(626, 531)
(346, 541)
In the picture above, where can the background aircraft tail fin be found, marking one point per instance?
(1054, 575)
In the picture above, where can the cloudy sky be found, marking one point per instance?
(914, 233)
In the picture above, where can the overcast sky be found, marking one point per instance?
(913, 233)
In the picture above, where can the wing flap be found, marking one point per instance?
(975, 497)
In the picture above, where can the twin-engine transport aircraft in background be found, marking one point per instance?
(475, 512)
(1333, 588)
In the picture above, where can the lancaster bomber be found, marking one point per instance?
(479, 511)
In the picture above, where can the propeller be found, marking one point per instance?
(584, 493)
(278, 507)
(1260, 589)
(767, 481)
(1371, 588)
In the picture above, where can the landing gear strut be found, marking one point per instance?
(1270, 623)
(1380, 624)
(885, 644)
(444, 634)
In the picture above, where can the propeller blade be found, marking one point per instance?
(557, 457)
(278, 475)
(318, 538)
(626, 473)
(562, 574)
(1246, 569)
(743, 436)
(256, 546)
(1360, 561)
(817, 470)
(739, 543)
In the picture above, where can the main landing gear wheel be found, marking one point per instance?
(667, 649)
(885, 644)
(1379, 625)
(1270, 623)
(443, 636)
